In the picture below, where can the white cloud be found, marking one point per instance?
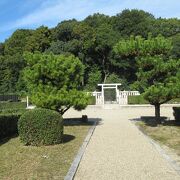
(50, 12)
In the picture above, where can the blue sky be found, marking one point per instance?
(15, 14)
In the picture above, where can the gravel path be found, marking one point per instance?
(119, 151)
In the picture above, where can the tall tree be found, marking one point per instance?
(94, 77)
(92, 41)
(10, 69)
(17, 42)
(97, 45)
(126, 52)
(64, 30)
(176, 46)
(39, 40)
(54, 81)
(157, 72)
(157, 76)
(1, 49)
(106, 38)
(166, 27)
(12, 62)
(61, 47)
(96, 20)
(133, 22)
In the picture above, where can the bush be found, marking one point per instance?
(12, 111)
(176, 113)
(140, 100)
(8, 124)
(92, 100)
(12, 105)
(137, 100)
(40, 127)
(174, 101)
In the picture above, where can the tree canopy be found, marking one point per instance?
(157, 75)
(54, 81)
(94, 41)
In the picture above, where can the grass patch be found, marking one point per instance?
(47, 162)
(167, 134)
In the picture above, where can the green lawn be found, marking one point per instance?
(167, 134)
(18, 162)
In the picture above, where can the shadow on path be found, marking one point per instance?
(79, 122)
(151, 121)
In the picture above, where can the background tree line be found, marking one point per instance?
(92, 41)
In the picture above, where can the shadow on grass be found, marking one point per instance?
(67, 122)
(5, 140)
(67, 138)
(79, 122)
(151, 121)
(172, 123)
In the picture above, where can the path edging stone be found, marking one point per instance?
(160, 150)
(75, 164)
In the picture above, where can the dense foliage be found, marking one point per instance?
(92, 41)
(137, 100)
(54, 81)
(158, 74)
(40, 127)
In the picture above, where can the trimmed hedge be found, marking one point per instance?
(92, 100)
(12, 105)
(174, 101)
(40, 127)
(8, 124)
(137, 100)
(176, 113)
(140, 100)
(12, 111)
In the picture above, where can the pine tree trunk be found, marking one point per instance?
(157, 113)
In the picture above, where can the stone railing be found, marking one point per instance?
(121, 97)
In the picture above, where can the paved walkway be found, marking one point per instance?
(119, 151)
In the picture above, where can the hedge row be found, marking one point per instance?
(137, 100)
(12, 105)
(8, 124)
(12, 111)
(92, 100)
(174, 101)
(140, 100)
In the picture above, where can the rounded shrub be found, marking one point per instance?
(40, 127)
